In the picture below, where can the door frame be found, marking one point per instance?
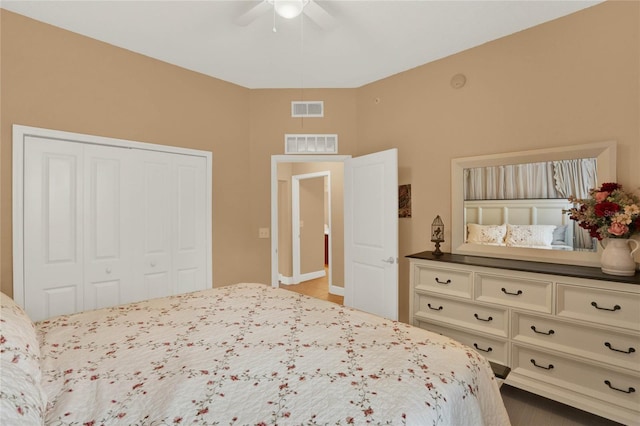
(20, 132)
(295, 222)
(275, 160)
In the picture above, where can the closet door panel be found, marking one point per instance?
(153, 264)
(108, 230)
(102, 294)
(189, 250)
(52, 227)
(102, 222)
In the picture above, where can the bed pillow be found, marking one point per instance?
(560, 235)
(22, 399)
(486, 234)
(529, 235)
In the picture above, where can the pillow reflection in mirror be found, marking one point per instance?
(529, 235)
(486, 234)
(560, 235)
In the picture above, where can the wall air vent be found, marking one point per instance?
(310, 144)
(307, 109)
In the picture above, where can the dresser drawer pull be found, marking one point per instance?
(489, 349)
(631, 390)
(615, 308)
(434, 309)
(443, 282)
(483, 319)
(631, 350)
(547, 333)
(517, 293)
(549, 367)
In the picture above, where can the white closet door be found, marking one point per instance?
(101, 222)
(154, 191)
(108, 233)
(189, 250)
(53, 232)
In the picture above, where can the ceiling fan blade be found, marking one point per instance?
(319, 16)
(254, 13)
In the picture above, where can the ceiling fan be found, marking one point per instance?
(289, 9)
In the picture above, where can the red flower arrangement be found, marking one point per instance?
(610, 212)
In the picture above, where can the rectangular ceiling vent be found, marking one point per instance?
(307, 109)
(310, 144)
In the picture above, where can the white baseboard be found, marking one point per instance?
(333, 289)
(338, 291)
(285, 280)
(312, 275)
(304, 277)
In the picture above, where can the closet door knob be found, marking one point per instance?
(108, 270)
(153, 263)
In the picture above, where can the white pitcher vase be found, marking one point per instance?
(617, 257)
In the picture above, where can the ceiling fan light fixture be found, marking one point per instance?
(289, 9)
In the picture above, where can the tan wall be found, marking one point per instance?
(270, 120)
(569, 81)
(312, 225)
(56, 79)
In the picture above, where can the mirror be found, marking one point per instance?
(538, 214)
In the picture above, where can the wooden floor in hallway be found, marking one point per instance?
(318, 288)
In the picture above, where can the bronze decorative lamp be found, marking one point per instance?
(437, 234)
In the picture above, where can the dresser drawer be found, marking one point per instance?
(521, 293)
(493, 349)
(595, 381)
(603, 345)
(492, 320)
(600, 306)
(454, 282)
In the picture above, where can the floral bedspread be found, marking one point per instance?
(249, 354)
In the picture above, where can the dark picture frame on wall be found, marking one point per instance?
(404, 201)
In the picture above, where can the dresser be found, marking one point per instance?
(568, 333)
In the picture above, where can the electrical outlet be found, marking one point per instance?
(263, 232)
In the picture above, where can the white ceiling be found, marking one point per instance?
(367, 40)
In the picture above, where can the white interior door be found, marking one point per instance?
(152, 258)
(298, 228)
(107, 226)
(170, 257)
(189, 247)
(53, 230)
(99, 221)
(371, 233)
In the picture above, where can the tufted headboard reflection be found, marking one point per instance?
(524, 212)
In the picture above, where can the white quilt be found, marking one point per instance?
(248, 354)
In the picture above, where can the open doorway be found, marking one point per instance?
(368, 200)
(310, 209)
(310, 224)
(304, 224)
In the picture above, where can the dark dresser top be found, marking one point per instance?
(528, 266)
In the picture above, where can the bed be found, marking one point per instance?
(246, 354)
(534, 223)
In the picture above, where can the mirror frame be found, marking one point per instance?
(604, 152)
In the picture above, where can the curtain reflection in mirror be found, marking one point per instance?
(550, 179)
